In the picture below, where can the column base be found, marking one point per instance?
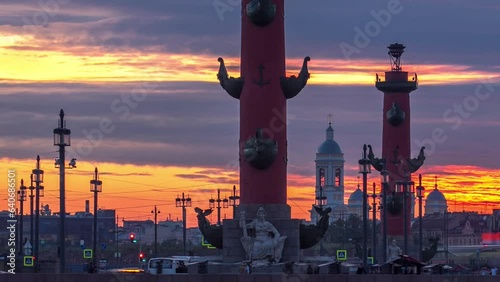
(273, 211)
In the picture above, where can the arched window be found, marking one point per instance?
(337, 177)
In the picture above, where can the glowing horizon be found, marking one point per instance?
(133, 190)
(59, 66)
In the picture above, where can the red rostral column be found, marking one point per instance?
(263, 90)
(396, 143)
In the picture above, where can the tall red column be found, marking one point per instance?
(263, 90)
(396, 143)
(263, 105)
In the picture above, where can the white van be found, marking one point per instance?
(168, 264)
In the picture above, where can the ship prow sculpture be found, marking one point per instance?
(310, 235)
(211, 233)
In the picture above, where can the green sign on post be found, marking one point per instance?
(87, 253)
(28, 261)
(341, 255)
(370, 260)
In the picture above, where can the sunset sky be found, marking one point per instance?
(180, 132)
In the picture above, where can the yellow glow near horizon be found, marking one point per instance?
(94, 66)
(134, 190)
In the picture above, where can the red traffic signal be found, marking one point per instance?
(132, 238)
(142, 258)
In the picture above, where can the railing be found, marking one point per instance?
(381, 78)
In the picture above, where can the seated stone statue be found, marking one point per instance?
(264, 242)
(393, 251)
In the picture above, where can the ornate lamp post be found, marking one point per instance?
(225, 204)
(234, 201)
(21, 197)
(96, 187)
(374, 218)
(365, 168)
(385, 184)
(420, 195)
(183, 203)
(62, 138)
(320, 202)
(32, 221)
(41, 191)
(407, 188)
(38, 179)
(156, 212)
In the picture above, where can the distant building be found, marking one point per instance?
(453, 229)
(496, 221)
(330, 176)
(330, 179)
(355, 202)
(435, 201)
(78, 227)
(166, 230)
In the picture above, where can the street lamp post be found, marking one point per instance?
(365, 168)
(374, 218)
(420, 195)
(446, 234)
(407, 188)
(225, 204)
(385, 183)
(96, 187)
(183, 203)
(21, 197)
(116, 231)
(156, 212)
(234, 201)
(38, 179)
(62, 138)
(32, 221)
(320, 202)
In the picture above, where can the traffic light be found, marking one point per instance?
(142, 258)
(132, 238)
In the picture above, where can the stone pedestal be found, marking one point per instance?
(278, 215)
(273, 211)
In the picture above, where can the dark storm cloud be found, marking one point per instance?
(165, 26)
(434, 31)
(165, 128)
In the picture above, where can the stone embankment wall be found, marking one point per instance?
(27, 277)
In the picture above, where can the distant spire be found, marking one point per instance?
(436, 182)
(329, 130)
(358, 182)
